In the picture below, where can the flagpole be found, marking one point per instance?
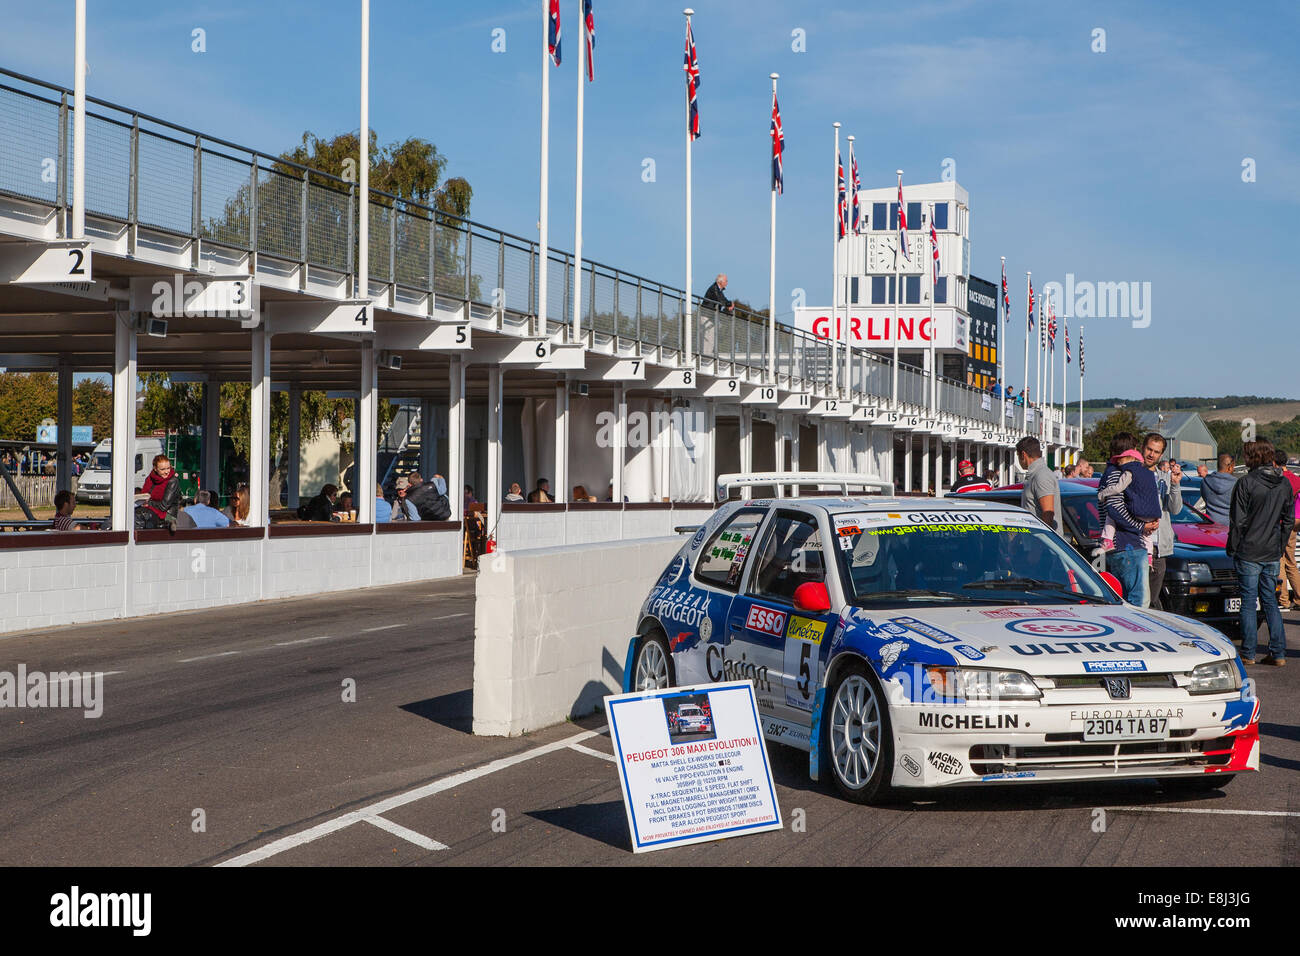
(1002, 349)
(1065, 388)
(848, 307)
(1024, 399)
(771, 263)
(898, 294)
(1081, 390)
(577, 213)
(1038, 373)
(933, 323)
(543, 211)
(835, 265)
(363, 225)
(1051, 375)
(689, 326)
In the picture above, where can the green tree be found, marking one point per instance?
(25, 399)
(1096, 440)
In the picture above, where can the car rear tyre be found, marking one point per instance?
(652, 665)
(856, 736)
(1212, 781)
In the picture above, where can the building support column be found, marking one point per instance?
(63, 456)
(455, 443)
(560, 486)
(907, 463)
(711, 415)
(295, 443)
(782, 423)
(496, 385)
(429, 437)
(259, 428)
(124, 371)
(211, 427)
(367, 434)
(746, 447)
(619, 451)
(925, 464)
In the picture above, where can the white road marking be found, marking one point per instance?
(82, 674)
(304, 640)
(383, 627)
(396, 829)
(1240, 813)
(594, 753)
(207, 657)
(311, 834)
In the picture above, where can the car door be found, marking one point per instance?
(785, 641)
(701, 647)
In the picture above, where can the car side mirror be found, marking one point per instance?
(1114, 583)
(812, 596)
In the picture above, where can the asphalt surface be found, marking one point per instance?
(240, 714)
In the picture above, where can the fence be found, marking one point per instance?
(38, 490)
(144, 172)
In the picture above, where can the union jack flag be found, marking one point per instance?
(902, 224)
(553, 34)
(841, 213)
(934, 250)
(589, 29)
(1066, 325)
(778, 147)
(1006, 298)
(692, 68)
(1031, 307)
(856, 185)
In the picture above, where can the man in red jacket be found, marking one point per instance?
(967, 480)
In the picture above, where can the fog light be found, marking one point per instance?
(1202, 607)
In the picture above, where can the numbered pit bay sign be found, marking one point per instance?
(692, 764)
(30, 263)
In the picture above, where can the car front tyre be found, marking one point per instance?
(652, 665)
(856, 735)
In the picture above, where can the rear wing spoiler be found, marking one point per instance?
(796, 478)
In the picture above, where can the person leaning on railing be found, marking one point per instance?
(715, 299)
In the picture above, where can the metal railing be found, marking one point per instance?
(144, 172)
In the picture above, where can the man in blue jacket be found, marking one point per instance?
(1135, 514)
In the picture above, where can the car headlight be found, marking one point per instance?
(1200, 572)
(977, 683)
(1216, 677)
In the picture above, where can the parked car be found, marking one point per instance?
(1200, 578)
(915, 642)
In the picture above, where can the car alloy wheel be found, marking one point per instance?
(653, 667)
(858, 739)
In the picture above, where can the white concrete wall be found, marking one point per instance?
(49, 587)
(189, 575)
(316, 563)
(518, 530)
(522, 530)
(417, 556)
(551, 628)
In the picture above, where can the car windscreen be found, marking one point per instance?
(1188, 515)
(101, 461)
(943, 558)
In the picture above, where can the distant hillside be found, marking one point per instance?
(1190, 403)
(1263, 414)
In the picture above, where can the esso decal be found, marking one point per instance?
(1052, 627)
(765, 620)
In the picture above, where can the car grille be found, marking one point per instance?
(1138, 679)
(1076, 755)
(1223, 574)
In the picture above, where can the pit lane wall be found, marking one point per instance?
(551, 628)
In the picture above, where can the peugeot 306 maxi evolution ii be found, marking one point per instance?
(938, 642)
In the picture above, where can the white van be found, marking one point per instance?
(96, 483)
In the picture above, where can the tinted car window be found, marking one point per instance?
(791, 555)
(722, 559)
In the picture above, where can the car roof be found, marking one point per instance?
(871, 503)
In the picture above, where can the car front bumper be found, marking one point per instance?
(937, 746)
(1206, 603)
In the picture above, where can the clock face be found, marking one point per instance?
(880, 254)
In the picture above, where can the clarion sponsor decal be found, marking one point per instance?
(969, 721)
(722, 667)
(1095, 647)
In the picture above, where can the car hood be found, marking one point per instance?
(1040, 640)
(1213, 535)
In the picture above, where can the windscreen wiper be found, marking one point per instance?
(1033, 584)
(930, 595)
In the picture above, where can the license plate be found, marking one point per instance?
(1232, 606)
(1125, 728)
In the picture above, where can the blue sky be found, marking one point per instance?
(1117, 166)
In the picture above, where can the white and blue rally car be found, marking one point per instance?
(920, 642)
